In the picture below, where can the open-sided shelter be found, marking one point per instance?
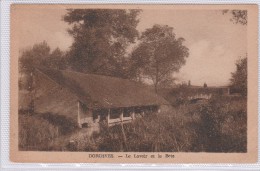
(91, 99)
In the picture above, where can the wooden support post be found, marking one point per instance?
(79, 115)
(108, 116)
(122, 116)
(143, 113)
(133, 115)
(98, 118)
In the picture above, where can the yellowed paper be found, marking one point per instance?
(199, 117)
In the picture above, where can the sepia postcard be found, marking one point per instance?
(134, 83)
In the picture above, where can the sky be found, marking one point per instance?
(214, 42)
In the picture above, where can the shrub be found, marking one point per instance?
(35, 133)
(82, 143)
(43, 131)
(223, 125)
(64, 124)
(216, 126)
(151, 134)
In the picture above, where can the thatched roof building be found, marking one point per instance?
(80, 96)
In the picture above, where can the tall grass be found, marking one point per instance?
(35, 133)
(223, 125)
(218, 125)
(43, 131)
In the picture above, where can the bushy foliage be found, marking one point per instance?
(239, 77)
(238, 16)
(223, 125)
(101, 38)
(42, 131)
(35, 133)
(40, 55)
(158, 55)
(219, 125)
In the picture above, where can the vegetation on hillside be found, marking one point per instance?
(41, 131)
(219, 125)
(239, 77)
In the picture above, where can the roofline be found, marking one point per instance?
(109, 77)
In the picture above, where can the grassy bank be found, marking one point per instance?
(218, 125)
(43, 131)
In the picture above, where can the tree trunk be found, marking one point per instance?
(156, 79)
(156, 87)
(31, 92)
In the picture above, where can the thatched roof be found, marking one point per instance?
(98, 91)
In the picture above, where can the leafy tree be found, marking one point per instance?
(238, 16)
(158, 55)
(56, 60)
(239, 77)
(189, 83)
(101, 37)
(39, 55)
(30, 59)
